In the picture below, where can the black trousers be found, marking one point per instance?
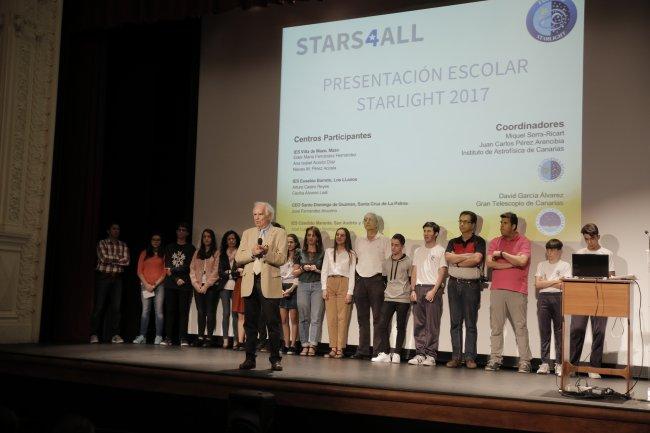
(368, 296)
(177, 311)
(578, 331)
(464, 303)
(549, 317)
(388, 309)
(206, 309)
(262, 331)
(257, 305)
(106, 286)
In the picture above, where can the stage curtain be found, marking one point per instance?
(125, 151)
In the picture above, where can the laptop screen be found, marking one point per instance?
(590, 265)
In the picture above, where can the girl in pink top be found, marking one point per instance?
(204, 273)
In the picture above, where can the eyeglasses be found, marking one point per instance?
(464, 222)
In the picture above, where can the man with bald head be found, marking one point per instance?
(263, 249)
(372, 250)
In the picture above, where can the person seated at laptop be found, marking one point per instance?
(598, 324)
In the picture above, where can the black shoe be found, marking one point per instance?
(248, 364)
(207, 342)
(360, 356)
(276, 366)
(284, 350)
(261, 344)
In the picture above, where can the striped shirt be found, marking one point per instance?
(112, 256)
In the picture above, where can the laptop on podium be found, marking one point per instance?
(590, 265)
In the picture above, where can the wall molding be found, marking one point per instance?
(30, 33)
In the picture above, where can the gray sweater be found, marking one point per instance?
(398, 275)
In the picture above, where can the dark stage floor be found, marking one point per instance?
(506, 384)
(317, 377)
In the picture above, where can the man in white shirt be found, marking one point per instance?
(427, 286)
(372, 250)
(598, 324)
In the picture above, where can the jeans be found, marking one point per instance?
(311, 308)
(158, 303)
(106, 287)
(464, 302)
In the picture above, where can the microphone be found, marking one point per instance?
(259, 242)
(647, 234)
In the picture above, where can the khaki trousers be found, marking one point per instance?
(506, 304)
(337, 311)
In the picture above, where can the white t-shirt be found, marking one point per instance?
(601, 250)
(553, 271)
(427, 262)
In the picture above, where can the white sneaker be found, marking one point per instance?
(117, 339)
(594, 376)
(382, 357)
(94, 339)
(558, 369)
(158, 340)
(429, 361)
(417, 360)
(395, 358)
(543, 369)
(140, 339)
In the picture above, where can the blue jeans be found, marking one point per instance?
(158, 302)
(311, 308)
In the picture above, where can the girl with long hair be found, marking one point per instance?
(337, 280)
(230, 290)
(289, 302)
(310, 299)
(204, 275)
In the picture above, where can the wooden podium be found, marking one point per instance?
(596, 297)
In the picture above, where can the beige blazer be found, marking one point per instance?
(271, 281)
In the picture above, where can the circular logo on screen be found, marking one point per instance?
(551, 20)
(550, 170)
(550, 221)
